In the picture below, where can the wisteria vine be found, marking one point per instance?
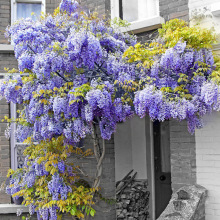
(80, 73)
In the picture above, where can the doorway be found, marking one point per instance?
(162, 167)
(144, 146)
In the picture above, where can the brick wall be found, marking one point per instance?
(5, 19)
(4, 150)
(51, 5)
(208, 163)
(170, 9)
(7, 60)
(183, 155)
(101, 6)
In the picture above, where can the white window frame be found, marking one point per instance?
(13, 143)
(143, 23)
(14, 7)
(13, 150)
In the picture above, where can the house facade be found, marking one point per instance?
(164, 154)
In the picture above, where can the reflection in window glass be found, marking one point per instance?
(134, 10)
(151, 8)
(130, 10)
(24, 10)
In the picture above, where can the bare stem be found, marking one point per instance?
(99, 158)
(99, 167)
(95, 142)
(82, 172)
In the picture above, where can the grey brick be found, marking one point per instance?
(6, 156)
(183, 157)
(174, 9)
(178, 14)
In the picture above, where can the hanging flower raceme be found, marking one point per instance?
(69, 6)
(178, 81)
(180, 85)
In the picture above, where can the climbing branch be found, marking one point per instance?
(99, 155)
(99, 166)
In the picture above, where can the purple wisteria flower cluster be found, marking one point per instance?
(55, 51)
(190, 92)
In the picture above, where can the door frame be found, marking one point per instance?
(150, 165)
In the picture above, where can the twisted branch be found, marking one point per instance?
(99, 166)
(99, 158)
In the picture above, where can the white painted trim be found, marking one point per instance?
(14, 7)
(144, 25)
(114, 9)
(141, 13)
(152, 171)
(12, 208)
(6, 48)
(14, 163)
(150, 165)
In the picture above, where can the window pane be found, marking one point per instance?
(130, 10)
(24, 10)
(151, 8)
(134, 10)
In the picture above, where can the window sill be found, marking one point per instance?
(144, 25)
(6, 48)
(12, 208)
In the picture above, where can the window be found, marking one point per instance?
(134, 10)
(25, 8)
(142, 14)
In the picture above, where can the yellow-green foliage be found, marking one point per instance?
(50, 153)
(173, 31)
(195, 37)
(144, 53)
(215, 76)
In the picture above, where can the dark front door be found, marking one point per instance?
(163, 190)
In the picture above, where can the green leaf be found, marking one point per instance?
(87, 211)
(92, 212)
(72, 212)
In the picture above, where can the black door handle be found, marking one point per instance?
(162, 178)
